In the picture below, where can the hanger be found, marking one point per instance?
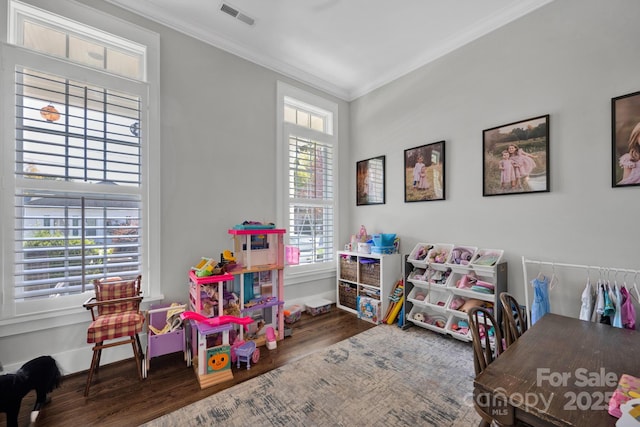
(540, 276)
(588, 284)
(600, 278)
(554, 279)
(635, 286)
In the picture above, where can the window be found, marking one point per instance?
(77, 129)
(41, 31)
(309, 155)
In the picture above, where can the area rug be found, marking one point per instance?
(384, 376)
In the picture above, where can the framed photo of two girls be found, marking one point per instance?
(516, 157)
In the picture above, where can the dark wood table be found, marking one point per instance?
(561, 372)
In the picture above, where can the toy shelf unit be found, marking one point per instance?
(365, 282)
(259, 280)
(443, 280)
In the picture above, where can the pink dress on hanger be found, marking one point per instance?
(628, 310)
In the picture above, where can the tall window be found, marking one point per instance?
(79, 142)
(309, 154)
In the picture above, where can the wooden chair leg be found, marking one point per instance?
(95, 362)
(140, 349)
(136, 355)
(99, 357)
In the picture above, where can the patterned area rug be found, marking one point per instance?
(381, 377)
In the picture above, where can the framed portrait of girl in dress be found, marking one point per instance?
(424, 173)
(516, 157)
(370, 181)
(625, 126)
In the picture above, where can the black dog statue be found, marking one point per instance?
(40, 374)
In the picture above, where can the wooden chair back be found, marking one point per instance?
(487, 346)
(514, 316)
(487, 338)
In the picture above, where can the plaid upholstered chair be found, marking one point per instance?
(116, 315)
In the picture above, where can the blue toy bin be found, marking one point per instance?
(383, 240)
(383, 249)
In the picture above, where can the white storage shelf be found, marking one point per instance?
(437, 282)
(367, 279)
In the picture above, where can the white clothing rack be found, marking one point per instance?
(552, 264)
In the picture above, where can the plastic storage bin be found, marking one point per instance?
(319, 306)
(292, 314)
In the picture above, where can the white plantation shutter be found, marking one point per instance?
(94, 140)
(64, 239)
(311, 198)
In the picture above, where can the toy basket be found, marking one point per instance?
(347, 295)
(348, 268)
(370, 272)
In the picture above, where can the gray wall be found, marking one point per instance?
(567, 59)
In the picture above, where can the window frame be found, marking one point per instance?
(302, 273)
(13, 320)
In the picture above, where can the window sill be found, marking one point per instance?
(292, 278)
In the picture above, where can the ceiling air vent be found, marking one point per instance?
(229, 10)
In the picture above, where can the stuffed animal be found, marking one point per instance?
(40, 374)
(232, 309)
(419, 317)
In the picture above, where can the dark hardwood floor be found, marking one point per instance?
(118, 398)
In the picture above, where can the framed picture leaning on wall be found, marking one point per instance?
(424, 173)
(370, 181)
(625, 129)
(516, 157)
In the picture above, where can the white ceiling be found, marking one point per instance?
(344, 47)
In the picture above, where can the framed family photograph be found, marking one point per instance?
(370, 181)
(625, 126)
(516, 157)
(424, 173)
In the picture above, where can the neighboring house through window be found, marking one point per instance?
(308, 148)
